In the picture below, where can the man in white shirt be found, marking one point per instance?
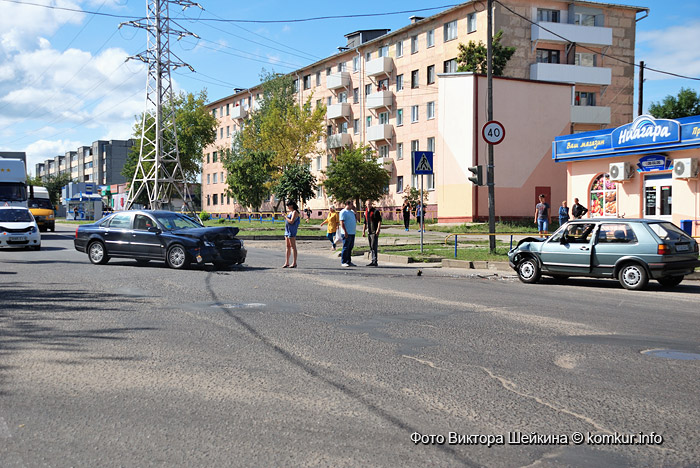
(348, 223)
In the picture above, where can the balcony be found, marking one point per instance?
(338, 111)
(338, 80)
(380, 99)
(590, 115)
(562, 73)
(380, 132)
(379, 66)
(239, 112)
(384, 162)
(338, 140)
(586, 35)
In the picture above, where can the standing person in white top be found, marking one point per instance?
(348, 224)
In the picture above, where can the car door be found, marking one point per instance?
(145, 243)
(117, 234)
(569, 251)
(613, 241)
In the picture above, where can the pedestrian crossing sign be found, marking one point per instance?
(422, 162)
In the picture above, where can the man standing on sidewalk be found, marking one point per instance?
(348, 223)
(372, 226)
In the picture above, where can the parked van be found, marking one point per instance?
(41, 207)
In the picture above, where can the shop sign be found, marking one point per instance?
(646, 131)
(654, 162)
(585, 145)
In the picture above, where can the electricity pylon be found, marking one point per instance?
(159, 172)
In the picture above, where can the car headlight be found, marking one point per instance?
(50, 216)
(209, 244)
(34, 229)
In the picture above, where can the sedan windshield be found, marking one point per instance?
(16, 216)
(173, 221)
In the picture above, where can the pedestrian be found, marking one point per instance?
(420, 216)
(75, 213)
(307, 212)
(372, 226)
(563, 213)
(348, 223)
(406, 210)
(542, 216)
(332, 220)
(291, 225)
(578, 210)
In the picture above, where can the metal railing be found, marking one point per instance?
(489, 234)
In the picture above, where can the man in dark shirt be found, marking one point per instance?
(578, 210)
(542, 216)
(372, 226)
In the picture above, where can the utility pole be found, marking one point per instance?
(640, 103)
(159, 173)
(489, 112)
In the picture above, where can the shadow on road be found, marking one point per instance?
(687, 286)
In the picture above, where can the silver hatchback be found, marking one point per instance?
(630, 250)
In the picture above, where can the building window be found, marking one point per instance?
(368, 89)
(342, 97)
(585, 59)
(221, 132)
(343, 127)
(213, 113)
(318, 163)
(584, 99)
(414, 44)
(214, 156)
(228, 131)
(450, 30)
(547, 56)
(549, 16)
(356, 63)
(584, 19)
(399, 117)
(329, 100)
(329, 130)
(228, 200)
(384, 151)
(208, 179)
(603, 197)
(215, 199)
(414, 146)
(399, 184)
(208, 200)
(430, 110)
(431, 74)
(356, 95)
(307, 82)
(368, 56)
(399, 49)
(383, 85)
(318, 78)
(450, 66)
(342, 66)
(328, 71)
(399, 151)
(319, 191)
(399, 82)
(430, 38)
(414, 113)
(384, 51)
(214, 179)
(471, 22)
(296, 89)
(222, 177)
(329, 158)
(369, 121)
(207, 158)
(318, 103)
(228, 109)
(414, 79)
(431, 144)
(356, 126)
(383, 118)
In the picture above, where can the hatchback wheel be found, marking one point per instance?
(670, 281)
(529, 271)
(177, 257)
(97, 253)
(633, 276)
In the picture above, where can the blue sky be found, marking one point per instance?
(64, 81)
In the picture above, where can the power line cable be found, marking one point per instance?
(77, 10)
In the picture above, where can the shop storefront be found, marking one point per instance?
(645, 169)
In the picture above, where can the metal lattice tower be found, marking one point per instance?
(159, 172)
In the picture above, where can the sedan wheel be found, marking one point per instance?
(177, 257)
(670, 281)
(633, 276)
(97, 253)
(529, 271)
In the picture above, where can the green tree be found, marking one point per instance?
(54, 184)
(412, 194)
(686, 104)
(248, 175)
(196, 129)
(356, 175)
(297, 184)
(472, 57)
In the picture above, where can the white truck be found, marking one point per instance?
(13, 183)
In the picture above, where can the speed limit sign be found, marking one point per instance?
(493, 132)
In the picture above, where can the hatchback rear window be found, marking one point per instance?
(669, 232)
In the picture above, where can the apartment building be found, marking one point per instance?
(101, 163)
(381, 88)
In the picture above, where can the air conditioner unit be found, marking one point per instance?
(686, 168)
(620, 171)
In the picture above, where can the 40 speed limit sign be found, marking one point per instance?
(493, 132)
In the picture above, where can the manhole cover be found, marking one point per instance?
(672, 354)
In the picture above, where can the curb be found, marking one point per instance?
(477, 265)
(399, 259)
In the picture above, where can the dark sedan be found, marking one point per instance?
(159, 235)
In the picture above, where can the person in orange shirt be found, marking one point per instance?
(332, 220)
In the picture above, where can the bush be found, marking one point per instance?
(204, 216)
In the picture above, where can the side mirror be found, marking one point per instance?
(154, 229)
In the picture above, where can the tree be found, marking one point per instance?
(196, 129)
(248, 175)
(412, 194)
(297, 184)
(356, 175)
(54, 184)
(686, 104)
(472, 57)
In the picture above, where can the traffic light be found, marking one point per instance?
(477, 178)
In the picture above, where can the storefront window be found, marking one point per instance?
(603, 199)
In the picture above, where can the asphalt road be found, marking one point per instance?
(128, 365)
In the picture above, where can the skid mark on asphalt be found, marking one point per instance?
(557, 325)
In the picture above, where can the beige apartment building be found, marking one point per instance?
(381, 88)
